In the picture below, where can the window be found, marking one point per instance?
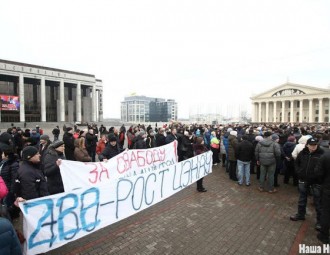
(298, 104)
(316, 111)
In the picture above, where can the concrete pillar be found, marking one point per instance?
(310, 116)
(259, 114)
(283, 112)
(43, 99)
(21, 98)
(62, 105)
(267, 112)
(274, 115)
(301, 117)
(78, 102)
(321, 110)
(94, 103)
(252, 112)
(291, 111)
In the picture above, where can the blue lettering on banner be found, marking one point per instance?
(64, 215)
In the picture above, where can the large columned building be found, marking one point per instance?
(292, 103)
(43, 94)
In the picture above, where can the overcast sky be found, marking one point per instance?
(209, 55)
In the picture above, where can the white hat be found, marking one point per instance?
(234, 133)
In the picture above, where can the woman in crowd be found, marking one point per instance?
(80, 152)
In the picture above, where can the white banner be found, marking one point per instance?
(128, 163)
(50, 222)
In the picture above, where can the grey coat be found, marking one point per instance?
(267, 151)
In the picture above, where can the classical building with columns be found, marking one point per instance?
(43, 94)
(292, 103)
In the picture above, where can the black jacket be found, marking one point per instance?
(110, 151)
(323, 171)
(244, 151)
(306, 163)
(9, 172)
(30, 182)
(69, 146)
(91, 141)
(52, 171)
(160, 140)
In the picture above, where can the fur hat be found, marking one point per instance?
(44, 137)
(259, 138)
(28, 152)
(234, 133)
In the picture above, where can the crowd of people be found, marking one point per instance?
(30, 160)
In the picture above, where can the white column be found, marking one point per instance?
(259, 114)
(94, 103)
(283, 112)
(78, 102)
(62, 105)
(43, 98)
(291, 111)
(310, 118)
(301, 118)
(321, 110)
(275, 103)
(267, 112)
(253, 112)
(21, 98)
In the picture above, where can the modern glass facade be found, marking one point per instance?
(141, 109)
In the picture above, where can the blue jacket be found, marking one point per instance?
(226, 141)
(9, 243)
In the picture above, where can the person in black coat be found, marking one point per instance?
(288, 148)
(244, 155)
(160, 137)
(187, 145)
(111, 150)
(305, 166)
(199, 148)
(91, 141)
(323, 172)
(68, 140)
(140, 141)
(30, 181)
(52, 161)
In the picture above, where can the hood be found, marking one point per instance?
(5, 138)
(266, 142)
(303, 139)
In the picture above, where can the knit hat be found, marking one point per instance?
(259, 138)
(275, 137)
(112, 138)
(229, 130)
(68, 129)
(57, 144)
(291, 138)
(267, 134)
(234, 133)
(28, 152)
(44, 137)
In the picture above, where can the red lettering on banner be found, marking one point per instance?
(97, 171)
(139, 158)
(103, 170)
(94, 171)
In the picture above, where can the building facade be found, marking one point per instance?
(292, 103)
(139, 109)
(43, 94)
